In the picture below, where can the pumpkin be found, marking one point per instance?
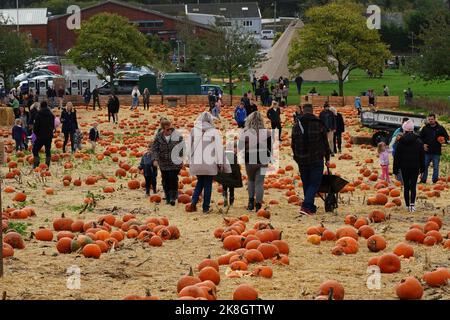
(437, 220)
(155, 241)
(409, 289)
(415, 235)
(437, 278)
(14, 240)
(8, 250)
(64, 245)
(209, 273)
(43, 235)
(376, 243)
(187, 280)
(314, 239)
(263, 271)
(134, 184)
(263, 213)
(436, 235)
(282, 246)
(373, 261)
(245, 292)
(346, 232)
(333, 286)
(238, 265)
(253, 255)
(366, 231)
(328, 235)
(360, 222)
(377, 216)
(389, 263)
(20, 197)
(429, 241)
(348, 244)
(350, 219)
(447, 244)
(404, 250)
(233, 242)
(192, 291)
(268, 250)
(62, 224)
(208, 263)
(92, 251)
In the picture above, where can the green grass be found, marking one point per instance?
(359, 82)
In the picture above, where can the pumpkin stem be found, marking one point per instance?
(147, 292)
(281, 233)
(63, 215)
(330, 293)
(191, 272)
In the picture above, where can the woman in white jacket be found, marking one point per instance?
(135, 94)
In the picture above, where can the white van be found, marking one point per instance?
(267, 34)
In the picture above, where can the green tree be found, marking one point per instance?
(15, 50)
(161, 51)
(228, 52)
(433, 60)
(106, 41)
(337, 37)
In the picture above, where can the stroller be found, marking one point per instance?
(329, 189)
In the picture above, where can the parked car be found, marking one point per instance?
(205, 88)
(35, 73)
(55, 68)
(123, 86)
(267, 34)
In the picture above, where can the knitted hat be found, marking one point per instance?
(408, 126)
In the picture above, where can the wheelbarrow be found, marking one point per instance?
(329, 190)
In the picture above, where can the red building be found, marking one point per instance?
(148, 21)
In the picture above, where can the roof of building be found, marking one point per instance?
(235, 10)
(32, 16)
(171, 9)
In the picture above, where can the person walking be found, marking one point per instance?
(95, 99)
(146, 99)
(43, 128)
(150, 170)
(410, 160)
(167, 159)
(202, 162)
(311, 150)
(111, 107)
(69, 125)
(329, 120)
(240, 114)
(115, 110)
(299, 82)
(94, 136)
(256, 143)
(61, 92)
(385, 91)
(340, 129)
(87, 97)
(274, 115)
(358, 105)
(254, 82)
(135, 94)
(230, 181)
(383, 155)
(433, 136)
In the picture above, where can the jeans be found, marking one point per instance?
(311, 178)
(409, 185)
(47, 143)
(134, 102)
(170, 184)
(435, 158)
(96, 100)
(204, 183)
(276, 125)
(146, 104)
(337, 142)
(150, 181)
(255, 184)
(66, 138)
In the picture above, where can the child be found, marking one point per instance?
(232, 180)
(94, 136)
(383, 153)
(77, 139)
(150, 170)
(19, 135)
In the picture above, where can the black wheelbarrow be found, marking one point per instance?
(329, 190)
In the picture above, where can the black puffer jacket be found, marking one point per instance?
(429, 136)
(329, 119)
(69, 121)
(44, 124)
(409, 153)
(162, 150)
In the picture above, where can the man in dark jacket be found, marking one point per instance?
(299, 82)
(329, 119)
(43, 128)
(340, 128)
(311, 149)
(246, 102)
(430, 135)
(274, 115)
(409, 159)
(95, 99)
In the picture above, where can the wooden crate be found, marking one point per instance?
(336, 101)
(387, 102)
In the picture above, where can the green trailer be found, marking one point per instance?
(181, 83)
(148, 81)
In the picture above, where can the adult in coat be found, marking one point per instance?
(340, 129)
(111, 106)
(167, 150)
(409, 158)
(69, 125)
(206, 158)
(256, 143)
(43, 128)
(329, 119)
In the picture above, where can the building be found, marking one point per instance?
(245, 15)
(32, 22)
(147, 20)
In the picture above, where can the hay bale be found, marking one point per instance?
(6, 116)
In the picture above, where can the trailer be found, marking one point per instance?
(386, 122)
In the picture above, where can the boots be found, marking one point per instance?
(258, 206)
(36, 162)
(231, 201)
(47, 161)
(251, 204)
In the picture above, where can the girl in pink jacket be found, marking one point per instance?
(383, 153)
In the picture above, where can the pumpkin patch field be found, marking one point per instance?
(84, 229)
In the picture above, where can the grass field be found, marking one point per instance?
(359, 82)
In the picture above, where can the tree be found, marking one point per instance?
(228, 52)
(107, 41)
(337, 37)
(433, 60)
(161, 51)
(15, 50)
